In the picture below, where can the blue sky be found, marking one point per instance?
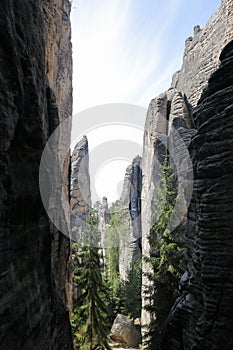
(126, 51)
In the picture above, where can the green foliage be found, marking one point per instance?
(129, 293)
(112, 246)
(125, 296)
(166, 259)
(90, 318)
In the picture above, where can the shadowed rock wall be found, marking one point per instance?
(174, 107)
(201, 319)
(33, 285)
(130, 233)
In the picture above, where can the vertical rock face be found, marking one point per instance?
(58, 65)
(80, 193)
(202, 317)
(201, 55)
(167, 112)
(80, 198)
(104, 221)
(130, 204)
(33, 287)
(173, 111)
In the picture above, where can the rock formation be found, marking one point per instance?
(104, 221)
(202, 317)
(80, 193)
(173, 111)
(58, 55)
(201, 55)
(124, 332)
(36, 95)
(130, 231)
(80, 199)
(168, 112)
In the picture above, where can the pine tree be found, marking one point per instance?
(91, 312)
(129, 293)
(166, 259)
(112, 246)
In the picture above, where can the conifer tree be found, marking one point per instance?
(129, 293)
(166, 259)
(91, 312)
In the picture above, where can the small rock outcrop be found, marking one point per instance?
(130, 207)
(124, 332)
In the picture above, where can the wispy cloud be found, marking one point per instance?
(127, 51)
(118, 46)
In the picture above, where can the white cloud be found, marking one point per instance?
(117, 49)
(119, 56)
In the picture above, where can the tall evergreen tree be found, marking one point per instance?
(166, 259)
(129, 293)
(91, 312)
(112, 245)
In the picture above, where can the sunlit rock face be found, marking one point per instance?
(168, 112)
(58, 66)
(174, 109)
(202, 316)
(202, 50)
(80, 193)
(80, 200)
(130, 206)
(34, 256)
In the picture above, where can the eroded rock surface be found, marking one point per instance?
(80, 193)
(202, 317)
(202, 50)
(130, 232)
(58, 66)
(34, 273)
(168, 124)
(173, 111)
(124, 332)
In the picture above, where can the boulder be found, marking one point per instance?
(123, 331)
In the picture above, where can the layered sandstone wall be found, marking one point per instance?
(130, 205)
(58, 65)
(174, 107)
(34, 273)
(202, 50)
(80, 192)
(202, 317)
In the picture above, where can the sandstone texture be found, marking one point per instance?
(173, 111)
(80, 193)
(202, 316)
(103, 223)
(168, 126)
(130, 231)
(80, 201)
(201, 55)
(34, 256)
(124, 332)
(58, 66)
